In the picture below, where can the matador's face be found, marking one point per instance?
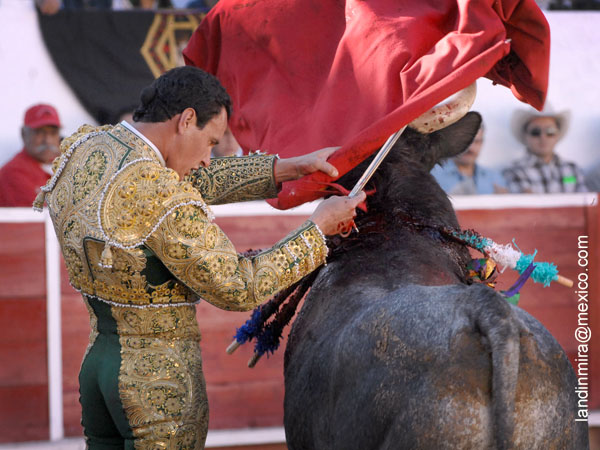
(195, 145)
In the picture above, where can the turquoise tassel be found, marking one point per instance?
(524, 262)
(474, 241)
(544, 272)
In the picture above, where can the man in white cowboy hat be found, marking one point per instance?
(542, 170)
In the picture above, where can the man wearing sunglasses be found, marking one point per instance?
(542, 170)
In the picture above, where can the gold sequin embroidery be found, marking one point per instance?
(161, 382)
(123, 196)
(236, 179)
(212, 269)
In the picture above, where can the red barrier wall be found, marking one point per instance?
(241, 397)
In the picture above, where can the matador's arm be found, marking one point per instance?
(236, 179)
(201, 256)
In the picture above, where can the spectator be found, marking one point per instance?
(592, 179)
(542, 170)
(48, 6)
(22, 176)
(461, 175)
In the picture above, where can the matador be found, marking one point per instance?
(130, 206)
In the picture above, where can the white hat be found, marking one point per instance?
(521, 118)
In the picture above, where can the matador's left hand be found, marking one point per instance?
(293, 168)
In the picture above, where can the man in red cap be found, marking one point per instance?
(22, 176)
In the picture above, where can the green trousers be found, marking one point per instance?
(141, 381)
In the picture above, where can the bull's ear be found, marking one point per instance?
(451, 140)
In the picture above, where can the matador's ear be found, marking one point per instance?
(187, 120)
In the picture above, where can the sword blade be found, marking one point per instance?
(366, 176)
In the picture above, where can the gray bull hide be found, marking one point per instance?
(394, 349)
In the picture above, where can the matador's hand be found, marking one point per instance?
(336, 213)
(293, 168)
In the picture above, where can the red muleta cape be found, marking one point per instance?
(307, 74)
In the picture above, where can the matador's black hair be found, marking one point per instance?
(181, 88)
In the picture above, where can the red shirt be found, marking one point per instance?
(20, 180)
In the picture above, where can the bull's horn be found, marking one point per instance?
(444, 114)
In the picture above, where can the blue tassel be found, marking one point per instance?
(267, 342)
(250, 329)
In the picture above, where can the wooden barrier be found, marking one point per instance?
(240, 397)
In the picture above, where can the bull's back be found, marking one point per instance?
(411, 369)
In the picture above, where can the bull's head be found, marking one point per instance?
(444, 117)
(403, 180)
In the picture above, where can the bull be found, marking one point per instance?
(396, 348)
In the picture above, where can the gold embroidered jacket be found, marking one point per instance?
(133, 234)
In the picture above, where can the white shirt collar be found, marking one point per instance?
(146, 140)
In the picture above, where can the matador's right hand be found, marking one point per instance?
(336, 213)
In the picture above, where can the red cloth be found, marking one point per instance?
(20, 180)
(307, 74)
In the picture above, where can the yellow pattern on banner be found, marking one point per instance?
(166, 38)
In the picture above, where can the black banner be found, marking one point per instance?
(107, 57)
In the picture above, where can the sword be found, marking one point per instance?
(366, 176)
